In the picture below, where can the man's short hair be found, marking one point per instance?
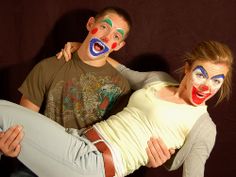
(121, 12)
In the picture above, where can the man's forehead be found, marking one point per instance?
(109, 19)
(114, 18)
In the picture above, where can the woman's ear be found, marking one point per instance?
(187, 68)
(90, 23)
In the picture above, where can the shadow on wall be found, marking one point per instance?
(11, 77)
(70, 27)
(149, 62)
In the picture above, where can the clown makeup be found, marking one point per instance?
(97, 47)
(110, 37)
(120, 32)
(204, 86)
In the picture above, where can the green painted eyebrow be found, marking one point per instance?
(108, 21)
(121, 31)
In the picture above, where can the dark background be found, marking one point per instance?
(163, 30)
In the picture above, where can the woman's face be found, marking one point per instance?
(203, 80)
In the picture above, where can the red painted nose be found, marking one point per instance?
(204, 88)
(105, 39)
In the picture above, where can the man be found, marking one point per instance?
(81, 92)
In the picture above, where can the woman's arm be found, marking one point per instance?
(194, 164)
(69, 48)
(196, 149)
(138, 79)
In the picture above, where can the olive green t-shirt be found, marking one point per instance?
(76, 94)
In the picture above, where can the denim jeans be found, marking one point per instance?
(47, 149)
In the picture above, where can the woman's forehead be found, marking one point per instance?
(211, 68)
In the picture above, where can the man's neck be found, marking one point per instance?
(82, 53)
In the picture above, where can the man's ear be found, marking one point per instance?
(90, 23)
(119, 46)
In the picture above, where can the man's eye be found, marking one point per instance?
(103, 27)
(117, 37)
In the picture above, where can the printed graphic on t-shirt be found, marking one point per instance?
(80, 102)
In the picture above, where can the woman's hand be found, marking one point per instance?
(10, 141)
(69, 48)
(157, 152)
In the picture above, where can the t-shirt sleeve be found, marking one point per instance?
(33, 88)
(38, 80)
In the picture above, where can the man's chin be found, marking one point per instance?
(97, 57)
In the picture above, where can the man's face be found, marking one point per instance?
(107, 34)
(204, 79)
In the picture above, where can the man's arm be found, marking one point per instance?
(28, 104)
(11, 138)
(10, 141)
(157, 152)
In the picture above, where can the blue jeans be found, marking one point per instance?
(47, 149)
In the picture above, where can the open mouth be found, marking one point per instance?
(199, 97)
(97, 47)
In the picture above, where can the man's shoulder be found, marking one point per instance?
(50, 64)
(51, 61)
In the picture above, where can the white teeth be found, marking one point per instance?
(200, 95)
(98, 43)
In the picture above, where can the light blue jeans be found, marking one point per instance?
(47, 149)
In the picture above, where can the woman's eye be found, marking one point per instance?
(200, 75)
(216, 81)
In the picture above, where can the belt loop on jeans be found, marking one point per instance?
(93, 136)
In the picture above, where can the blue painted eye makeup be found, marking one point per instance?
(200, 69)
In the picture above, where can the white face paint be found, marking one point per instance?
(200, 77)
(107, 35)
(97, 47)
(203, 80)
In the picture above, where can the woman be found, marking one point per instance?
(116, 147)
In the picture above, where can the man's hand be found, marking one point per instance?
(69, 48)
(157, 152)
(10, 141)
